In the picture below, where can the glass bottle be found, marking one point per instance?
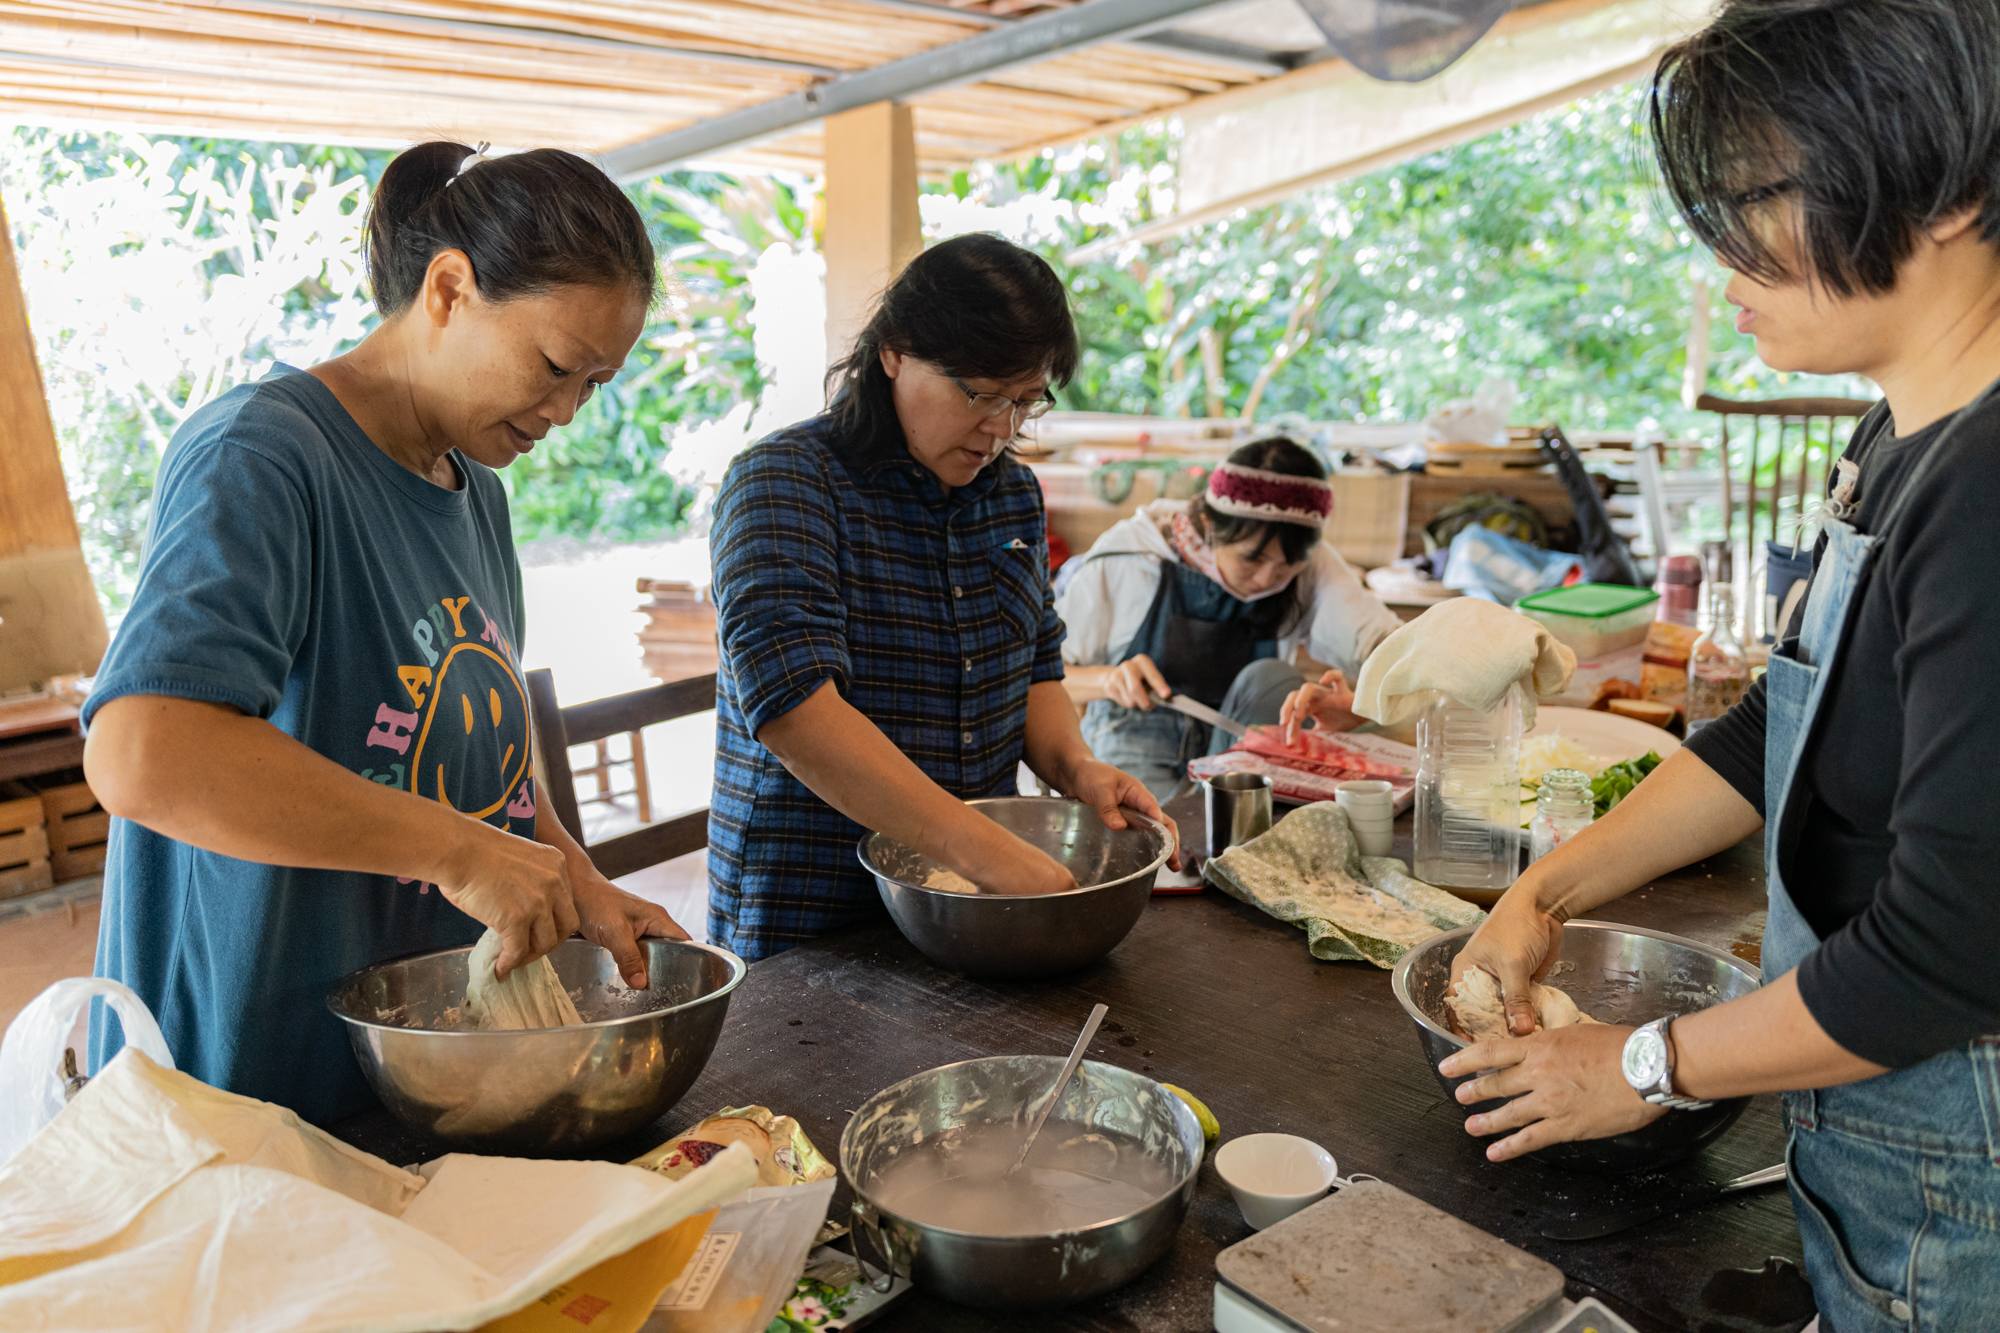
(1468, 825)
(1564, 808)
(1718, 669)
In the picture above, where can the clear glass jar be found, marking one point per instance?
(1564, 808)
(1468, 825)
(1718, 668)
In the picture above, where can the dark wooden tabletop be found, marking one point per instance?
(1211, 994)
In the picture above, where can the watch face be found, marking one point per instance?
(1645, 1058)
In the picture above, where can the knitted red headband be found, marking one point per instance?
(1276, 497)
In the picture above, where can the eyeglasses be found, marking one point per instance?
(1744, 200)
(990, 405)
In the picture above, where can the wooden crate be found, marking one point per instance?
(77, 830)
(24, 843)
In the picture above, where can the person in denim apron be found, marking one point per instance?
(1838, 158)
(1201, 599)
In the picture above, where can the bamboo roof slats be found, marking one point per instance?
(585, 74)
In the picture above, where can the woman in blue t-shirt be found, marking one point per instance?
(314, 713)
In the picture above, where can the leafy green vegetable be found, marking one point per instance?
(1615, 783)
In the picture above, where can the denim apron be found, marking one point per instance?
(1201, 638)
(1895, 1179)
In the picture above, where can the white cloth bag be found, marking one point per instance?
(31, 1078)
(157, 1202)
(1470, 649)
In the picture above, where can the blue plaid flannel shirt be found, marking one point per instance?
(930, 612)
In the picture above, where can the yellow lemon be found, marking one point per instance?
(1211, 1130)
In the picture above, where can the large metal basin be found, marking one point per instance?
(1017, 938)
(1021, 1272)
(1622, 974)
(548, 1090)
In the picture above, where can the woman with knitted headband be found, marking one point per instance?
(1202, 598)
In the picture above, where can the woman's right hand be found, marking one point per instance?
(517, 886)
(1000, 862)
(1518, 943)
(1137, 683)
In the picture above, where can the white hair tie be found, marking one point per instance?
(471, 160)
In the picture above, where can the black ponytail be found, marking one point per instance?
(529, 222)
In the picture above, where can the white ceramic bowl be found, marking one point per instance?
(1273, 1176)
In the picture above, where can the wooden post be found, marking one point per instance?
(872, 224)
(50, 620)
(1694, 379)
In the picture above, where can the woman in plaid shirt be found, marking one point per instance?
(890, 648)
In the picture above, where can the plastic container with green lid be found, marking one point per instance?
(1594, 619)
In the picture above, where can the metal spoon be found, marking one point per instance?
(1062, 1081)
(1605, 1224)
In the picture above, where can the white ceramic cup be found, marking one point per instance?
(1365, 799)
(1273, 1176)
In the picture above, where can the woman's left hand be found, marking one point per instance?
(1097, 783)
(1566, 1084)
(616, 920)
(1329, 703)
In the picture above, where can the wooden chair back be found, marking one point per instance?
(1798, 439)
(557, 728)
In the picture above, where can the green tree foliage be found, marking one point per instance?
(1544, 253)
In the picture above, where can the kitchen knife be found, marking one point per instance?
(1618, 1219)
(1201, 712)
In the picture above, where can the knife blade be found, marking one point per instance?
(1201, 712)
(1618, 1219)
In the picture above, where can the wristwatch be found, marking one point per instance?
(1649, 1067)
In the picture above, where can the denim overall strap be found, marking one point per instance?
(1895, 1179)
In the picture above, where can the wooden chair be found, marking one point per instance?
(557, 728)
(1798, 438)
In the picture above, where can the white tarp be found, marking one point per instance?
(157, 1202)
(1267, 143)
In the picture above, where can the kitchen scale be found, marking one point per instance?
(1372, 1259)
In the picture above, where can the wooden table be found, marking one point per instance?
(1215, 996)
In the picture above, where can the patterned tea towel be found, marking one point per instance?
(1309, 870)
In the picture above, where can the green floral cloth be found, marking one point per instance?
(1309, 870)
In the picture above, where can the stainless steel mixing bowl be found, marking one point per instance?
(1017, 938)
(547, 1090)
(1021, 1272)
(1618, 974)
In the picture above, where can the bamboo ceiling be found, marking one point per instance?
(584, 74)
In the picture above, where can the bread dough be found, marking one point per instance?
(949, 881)
(1475, 1001)
(529, 997)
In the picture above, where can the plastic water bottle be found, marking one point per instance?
(1468, 828)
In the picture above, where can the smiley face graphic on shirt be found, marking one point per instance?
(464, 738)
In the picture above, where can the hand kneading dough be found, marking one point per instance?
(529, 997)
(950, 881)
(1476, 1002)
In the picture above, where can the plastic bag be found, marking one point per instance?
(1480, 419)
(1492, 565)
(32, 1088)
(748, 1264)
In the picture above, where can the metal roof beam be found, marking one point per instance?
(963, 61)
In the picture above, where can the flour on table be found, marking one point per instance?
(529, 997)
(949, 881)
(1475, 1001)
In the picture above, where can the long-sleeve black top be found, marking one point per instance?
(1896, 862)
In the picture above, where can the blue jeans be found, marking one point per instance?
(1155, 746)
(1901, 1225)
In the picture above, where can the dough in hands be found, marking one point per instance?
(949, 881)
(529, 997)
(1475, 1001)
